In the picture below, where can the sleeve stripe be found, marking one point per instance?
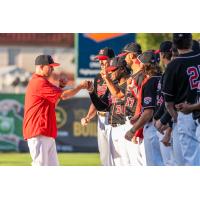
(167, 94)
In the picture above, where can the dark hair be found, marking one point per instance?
(182, 40)
(167, 55)
(152, 69)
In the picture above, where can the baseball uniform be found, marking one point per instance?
(180, 85)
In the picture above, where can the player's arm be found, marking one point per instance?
(144, 118)
(115, 91)
(66, 94)
(91, 114)
(187, 108)
(169, 89)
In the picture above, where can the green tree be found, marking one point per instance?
(153, 40)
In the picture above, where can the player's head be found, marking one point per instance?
(105, 55)
(45, 65)
(195, 46)
(117, 68)
(165, 51)
(131, 52)
(182, 41)
(149, 62)
(174, 52)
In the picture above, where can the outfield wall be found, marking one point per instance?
(72, 137)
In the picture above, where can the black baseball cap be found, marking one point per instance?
(105, 53)
(165, 47)
(116, 63)
(148, 57)
(46, 60)
(131, 48)
(180, 36)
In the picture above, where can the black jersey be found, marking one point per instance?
(182, 78)
(149, 93)
(161, 112)
(131, 94)
(100, 86)
(117, 107)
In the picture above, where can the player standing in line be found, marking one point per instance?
(148, 97)
(105, 55)
(165, 51)
(180, 85)
(39, 124)
(118, 74)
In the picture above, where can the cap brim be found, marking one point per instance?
(54, 64)
(157, 51)
(122, 54)
(111, 68)
(100, 57)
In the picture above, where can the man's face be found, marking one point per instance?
(128, 59)
(104, 63)
(47, 70)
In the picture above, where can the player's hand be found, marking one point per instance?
(159, 126)
(90, 87)
(129, 135)
(85, 121)
(167, 137)
(134, 140)
(84, 84)
(184, 108)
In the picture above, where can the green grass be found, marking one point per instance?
(65, 159)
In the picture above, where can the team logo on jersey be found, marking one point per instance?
(147, 100)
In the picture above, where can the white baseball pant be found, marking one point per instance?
(176, 146)
(166, 152)
(152, 146)
(132, 154)
(43, 151)
(103, 139)
(188, 139)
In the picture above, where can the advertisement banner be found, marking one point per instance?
(72, 137)
(88, 45)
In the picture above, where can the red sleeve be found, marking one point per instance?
(50, 92)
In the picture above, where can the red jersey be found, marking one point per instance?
(39, 109)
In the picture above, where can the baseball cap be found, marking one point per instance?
(105, 53)
(165, 47)
(46, 60)
(131, 48)
(180, 36)
(116, 63)
(148, 57)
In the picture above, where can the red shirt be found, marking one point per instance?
(39, 108)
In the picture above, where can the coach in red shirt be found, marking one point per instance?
(39, 125)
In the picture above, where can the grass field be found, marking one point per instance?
(65, 159)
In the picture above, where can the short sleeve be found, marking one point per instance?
(149, 94)
(50, 92)
(169, 78)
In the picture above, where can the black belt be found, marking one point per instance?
(116, 125)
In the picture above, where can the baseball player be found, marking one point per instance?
(135, 152)
(148, 97)
(39, 124)
(105, 55)
(180, 85)
(117, 74)
(165, 51)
